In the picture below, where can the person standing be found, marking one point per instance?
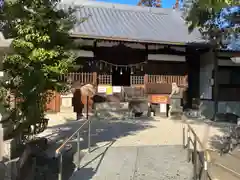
(77, 103)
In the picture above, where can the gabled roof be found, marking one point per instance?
(131, 23)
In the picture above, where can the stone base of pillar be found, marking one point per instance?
(66, 105)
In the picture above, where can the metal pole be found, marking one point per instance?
(205, 170)
(60, 167)
(188, 146)
(78, 150)
(89, 127)
(195, 159)
(184, 146)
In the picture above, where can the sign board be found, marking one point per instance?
(163, 108)
(159, 99)
(117, 89)
(109, 90)
(102, 89)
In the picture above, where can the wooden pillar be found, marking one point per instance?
(145, 80)
(94, 78)
(57, 101)
(215, 87)
(95, 74)
(146, 59)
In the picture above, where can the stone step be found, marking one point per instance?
(66, 109)
(111, 106)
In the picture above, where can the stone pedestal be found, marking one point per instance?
(8, 167)
(176, 109)
(66, 105)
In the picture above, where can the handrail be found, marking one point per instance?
(58, 152)
(206, 153)
(69, 139)
(200, 165)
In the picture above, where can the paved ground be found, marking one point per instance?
(140, 135)
(135, 163)
(226, 166)
(221, 167)
(143, 149)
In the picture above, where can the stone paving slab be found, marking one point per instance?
(162, 163)
(225, 166)
(135, 163)
(210, 133)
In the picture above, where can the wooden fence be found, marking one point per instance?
(165, 79)
(91, 78)
(83, 78)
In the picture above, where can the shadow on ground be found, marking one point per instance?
(227, 165)
(222, 126)
(103, 134)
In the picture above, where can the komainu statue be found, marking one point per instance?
(176, 108)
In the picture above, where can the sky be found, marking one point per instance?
(165, 3)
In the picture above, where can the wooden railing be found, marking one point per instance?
(91, 78)
(105, 79)
(166, 79)
(84, 78)
(137, 80)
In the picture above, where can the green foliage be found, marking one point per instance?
(150, 3)
(215, 18)
(40, 53)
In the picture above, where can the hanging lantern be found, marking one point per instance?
(121, 72)
(89, 63)
(132, 70)
(126, 68)
(111, 68)
(142, 68)
(116, 68)
(100, 66)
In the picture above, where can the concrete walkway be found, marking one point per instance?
(136, 150)
(133, 136)
(221, 167)
(135, 163)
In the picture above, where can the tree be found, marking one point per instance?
(216, 19)
(40, 55)
(150, 3)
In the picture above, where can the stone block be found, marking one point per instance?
(67, 100)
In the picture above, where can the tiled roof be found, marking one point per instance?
(131, 23)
